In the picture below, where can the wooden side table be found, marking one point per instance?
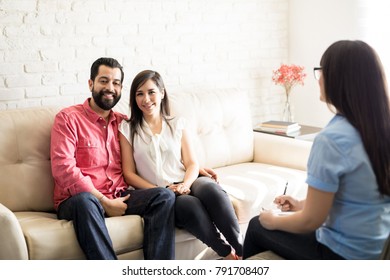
(305, 133)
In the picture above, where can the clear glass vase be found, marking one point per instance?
(287, 114)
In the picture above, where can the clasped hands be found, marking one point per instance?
(179, 188)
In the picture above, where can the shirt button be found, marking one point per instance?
(104, 126)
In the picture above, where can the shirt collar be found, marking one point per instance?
(147, 129)
(92, 115)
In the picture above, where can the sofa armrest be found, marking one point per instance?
(281, 151)
(12, 243)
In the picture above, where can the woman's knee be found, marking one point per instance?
(254, 226)
(204, 186)
(187, 208)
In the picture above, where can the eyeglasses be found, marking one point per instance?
(317, 72)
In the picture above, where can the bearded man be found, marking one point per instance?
(87, 171)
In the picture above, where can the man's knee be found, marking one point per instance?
(84, 197)
(82, 203)
(166, 194)
(85, 200)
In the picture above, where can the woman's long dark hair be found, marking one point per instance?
(136, 113)
(355, 84)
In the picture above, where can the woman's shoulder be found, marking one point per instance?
(338, 127)
(341, 133)
(124, 128)
(176, 122)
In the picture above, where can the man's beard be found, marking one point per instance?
(104, 103)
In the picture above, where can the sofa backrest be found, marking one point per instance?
(222, 122)
(220, 118)
(26, 183)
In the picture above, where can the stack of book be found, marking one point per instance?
(279, 127)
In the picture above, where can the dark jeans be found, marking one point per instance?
(287, 245)
(155, 205)
(206, 213)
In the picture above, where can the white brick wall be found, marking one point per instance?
(47, 47)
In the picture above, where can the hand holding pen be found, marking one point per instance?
(286, 202)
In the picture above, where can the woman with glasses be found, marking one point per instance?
(346, 213)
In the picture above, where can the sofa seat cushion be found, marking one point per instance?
(267, 255)
(50, 238)
(254, 185)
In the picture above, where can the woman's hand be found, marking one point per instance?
(208, 172)
(179, 189)
(288, 203)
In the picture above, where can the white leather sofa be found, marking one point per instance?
(253, 168)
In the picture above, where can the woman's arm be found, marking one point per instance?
(128, 166)
(189, 160)
(315, 210)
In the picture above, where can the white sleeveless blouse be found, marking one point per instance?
(158, 157)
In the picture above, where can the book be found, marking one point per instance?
(279, 127)
(280, 130)
(279, 124)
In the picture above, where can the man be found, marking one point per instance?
(86, 165)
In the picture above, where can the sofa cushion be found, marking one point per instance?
(50, 238)
(254, 185)
(25, 171)
(267, 255)
(221, 136)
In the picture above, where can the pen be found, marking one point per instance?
(285, 188)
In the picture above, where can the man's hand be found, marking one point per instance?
(115, 207)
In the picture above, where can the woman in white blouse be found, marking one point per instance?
(157, 152)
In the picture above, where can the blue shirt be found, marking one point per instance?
(359, 220)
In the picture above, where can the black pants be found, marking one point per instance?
(206, 213)
(287, 245)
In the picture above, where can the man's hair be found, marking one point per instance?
(107, 61)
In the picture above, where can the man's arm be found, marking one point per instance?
(63, 161)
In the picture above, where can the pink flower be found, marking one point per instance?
(288, 76)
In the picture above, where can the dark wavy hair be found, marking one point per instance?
(136, 113)
(355, 84)
(106, 61)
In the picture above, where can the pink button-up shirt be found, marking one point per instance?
(85, 153)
